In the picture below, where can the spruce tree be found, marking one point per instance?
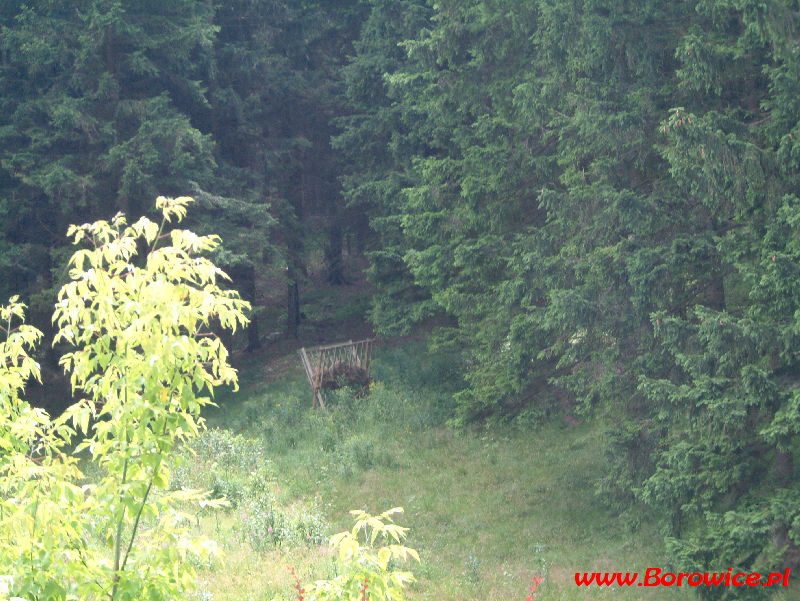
(95, 97)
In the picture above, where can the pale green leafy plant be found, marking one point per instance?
(147, 362)
(367, 571)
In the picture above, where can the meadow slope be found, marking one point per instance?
(488, 508)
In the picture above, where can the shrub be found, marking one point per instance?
(215, 461)
(266, 524)
(367, 572)
(142, 357)
(357, 451)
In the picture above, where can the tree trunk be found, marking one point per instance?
(333, 254)
(244, 279)
(253, 341)
(292, 304)
(715, 292)
(784, 475)
(784, 467)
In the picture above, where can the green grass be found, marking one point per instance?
(488, 509)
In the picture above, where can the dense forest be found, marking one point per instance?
(594, 202)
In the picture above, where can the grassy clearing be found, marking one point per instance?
(488, 510)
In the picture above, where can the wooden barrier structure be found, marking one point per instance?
(326, 365)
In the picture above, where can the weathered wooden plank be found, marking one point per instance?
(367, 354)
(306, 366)
(322, 361)
(338, 345)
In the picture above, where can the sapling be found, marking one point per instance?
(145, 362)
(366, 557)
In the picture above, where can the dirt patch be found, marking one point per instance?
(329, 314)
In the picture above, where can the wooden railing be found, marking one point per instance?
(325, 364)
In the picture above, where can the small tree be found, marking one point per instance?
(143, 358)
(365, 571)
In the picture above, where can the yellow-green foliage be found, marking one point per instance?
(143, 357)
(366, 571)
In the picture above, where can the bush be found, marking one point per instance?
(265, 524)
(142, 358)
(216, 461)
(364, 570)
(357, 451)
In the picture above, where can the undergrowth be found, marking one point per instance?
(490, 510)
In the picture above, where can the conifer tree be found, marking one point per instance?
(727, 408)
(377, 140)
(94, 103)
(602, 199)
